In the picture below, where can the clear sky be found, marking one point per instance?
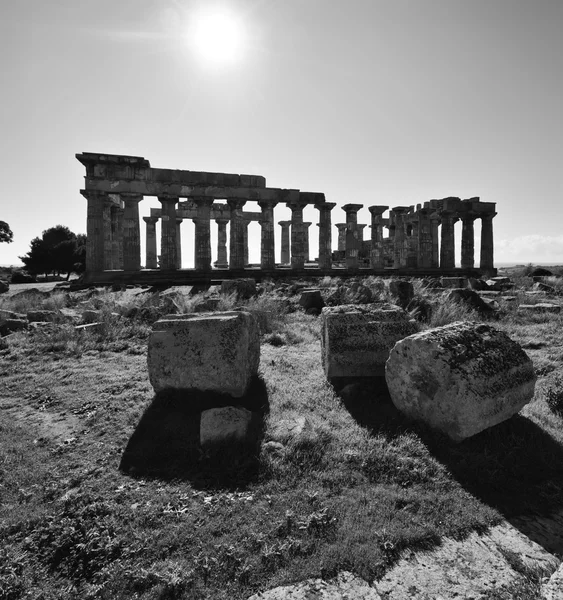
(369, 101)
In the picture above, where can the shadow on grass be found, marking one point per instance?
(166, 441)
(515, 467)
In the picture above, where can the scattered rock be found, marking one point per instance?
(472, 300)
(544, 287)
(356, 339)
(311, 299)
(454, 282)
(460, 379)
(243, 288)
(477, 284)
(91, 316)
(345, 586)
(8, 326)
(553, 589)
(217, 352)
(4, 286)
(540, 307)
(402, 291)
(228, 426)
(41, 315)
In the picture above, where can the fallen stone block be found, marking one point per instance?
(477, 284)
(553, 589)
(41, 316)
(311, 299)
(4, 286)
(356, 338)
(243, 288)
(460, 379)
(8, 326)
(217, 352)
(454, 282)
(540, 307)
(228, 427)
(91, 316)
(472, 300)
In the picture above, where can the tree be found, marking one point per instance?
(57, 251)
(6, 234)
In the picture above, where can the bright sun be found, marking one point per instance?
(217, 37)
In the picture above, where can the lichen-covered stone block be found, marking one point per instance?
(356, 338)
(217, 352)
(460, 379)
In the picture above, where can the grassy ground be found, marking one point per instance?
(348, 485)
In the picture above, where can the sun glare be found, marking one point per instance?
(217, 37)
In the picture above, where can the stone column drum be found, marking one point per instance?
(341, 247)
(236, 241)
(424, 239)
(352, 242)
(460, 379)
(131, 232)
(306, 255)
(325, 234)
(245, 224)
(150, 245)
(168, 261)
(434, 222)
(95, 236)
(179, 242)
(447, 246)
(108, 245)
(202, 238)
(297, 235)
(399, 240)
(467, 241)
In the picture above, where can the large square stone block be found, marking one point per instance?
(217, 352)
(356, 338)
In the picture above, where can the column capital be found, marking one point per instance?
(236, 203)
(222, 221)
(487, 216)
(284, 223)
(94, 194)
(265, 204)
(202, 200)
(377, 209)
(325, 206)
(130, 196)
(348, 208)
(341, 225)
(296, 204)
(165, 198)
(151, 220)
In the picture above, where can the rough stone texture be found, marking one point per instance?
(41, 315)
(345, 587)
(217, 352)
(4, 286)
(553, 589)
(311, 299)
(402, 290)
(10, 314)
(91, 316)
(454, 282)
(477, 284)
(243, 288)
(228, 426)
(473, 568)
(472, 300)
(8, 326)
(540, 307)
(356, 339)
(494, 285)
(544, 287)
(460, 379)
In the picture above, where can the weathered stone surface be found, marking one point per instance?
(402, 290)
(243, 288)
(473, 568)
(11, 325)
(477, 284)
(454, 282)
(41, 315)
(540, 307)
(544, 287)
(228, 426)
(356, 339)
(345, 587)
(10, 314)
(553, 589)
(91, 316)
(472, 300)
(4, 286)
(311, 299)
(217, 352)
(494, 285)
(460, 379)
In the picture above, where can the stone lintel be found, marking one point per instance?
(312, 197)
(91, 158)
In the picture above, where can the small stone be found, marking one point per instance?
(311, 299)
(228, 426)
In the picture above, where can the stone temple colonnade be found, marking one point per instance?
(419, 240)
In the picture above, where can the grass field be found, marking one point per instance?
(342, 480)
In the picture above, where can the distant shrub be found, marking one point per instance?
(554, 396)
(22, 277)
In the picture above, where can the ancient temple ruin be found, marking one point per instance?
(409, 241)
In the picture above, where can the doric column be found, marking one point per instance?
(202, 237)
(285, 237)
(236, 241)
(467, 241)
(447, 246)
(412, 244)
(150, 242)
(221, 261)
(341, 237)
(108, 238)
(325, 234)
(94, 230)
(434, 222)
(297, 235)
(245, 224)
(487, 245)
(131, 232)
(117, 237)
(179, 242)
(377, 258)
(306, 226)
(168, 233)
(424, 239)
(352, 242)
(267, 242)
(399, 239)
